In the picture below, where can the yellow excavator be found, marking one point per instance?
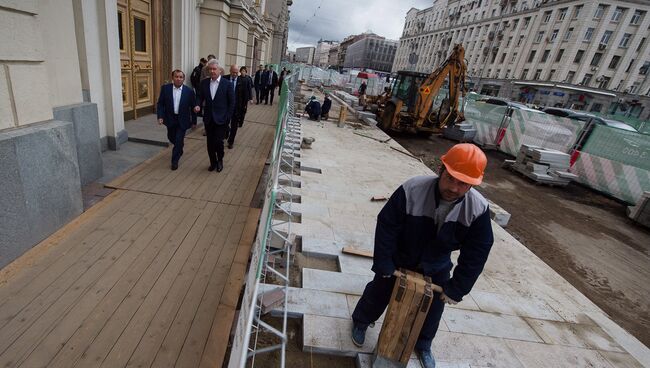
(409, 108)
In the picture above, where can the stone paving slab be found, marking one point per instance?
(334, 281)
(489, 324)
(300, 302)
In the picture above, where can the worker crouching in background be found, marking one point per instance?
(424, 220)
(313, 108)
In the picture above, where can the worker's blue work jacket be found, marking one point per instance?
(407, 235)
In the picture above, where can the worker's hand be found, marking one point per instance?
(197, 108)
(160, 121)
(386, 276)
(447, 299)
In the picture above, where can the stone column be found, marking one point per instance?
(214, 15)
(239, 23)
(185, 35)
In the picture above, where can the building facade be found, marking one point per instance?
(371, 52)
(333, 58)
(73, 71)
(305, 55)
(349, 40)
(278, 13)
(587, 55)
(322, 53)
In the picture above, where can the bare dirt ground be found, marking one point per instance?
(583, 235)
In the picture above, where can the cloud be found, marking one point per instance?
(311, 20)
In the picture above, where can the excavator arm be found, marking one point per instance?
(455, 69)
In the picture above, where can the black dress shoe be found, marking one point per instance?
(219, 165)
(230, 145)
(212, 167)
(174, 166)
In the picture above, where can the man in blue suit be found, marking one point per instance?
(174, 110)
(217, 99)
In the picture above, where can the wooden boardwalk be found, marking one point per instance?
(148, 277)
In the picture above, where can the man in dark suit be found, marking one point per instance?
(174, 110)
(258, 83)
(271, 83)
(217, 99)
(264, 84)
(243, 94)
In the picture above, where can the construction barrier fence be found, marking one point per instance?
(615, 162)
(277, 199)
(539, 129)
(487, 119)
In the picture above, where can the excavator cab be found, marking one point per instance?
(406, 87)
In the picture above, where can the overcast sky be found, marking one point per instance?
(336, 19)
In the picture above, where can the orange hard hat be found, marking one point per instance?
(465, 162)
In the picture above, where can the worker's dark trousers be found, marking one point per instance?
(376, 297)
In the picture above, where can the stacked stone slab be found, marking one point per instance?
(462, 132)
(544, 165)
(641, 212)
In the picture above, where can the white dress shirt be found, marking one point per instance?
(214, 84)
(176, 94)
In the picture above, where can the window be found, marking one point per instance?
(629, 66)
(625, 40)
(521, 39)
(595, 61)
(562, 14)
(554, 34)
(604, 82)
(547, 17)
(526, 22)
(579, 55)
(550, 74)
(634, 87)
(596, 107)
(545, 56)
(568, 34)
(515, 24)
(640, 44)
(618, 13)
(636, 17)
(524, 74)
(558, 58)
(644, 68)
(539, 37)
(576, 11)
(570, 76)
(514, 57)
(614, 62)
(606, 36)
(538, 74)
(496, 74)
(509, 42)
(599, 12)
(587, 79)
(139, 31)
(588, 34)
(503, 58)
(531, 56)
(507, 74)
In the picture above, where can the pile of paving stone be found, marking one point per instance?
(461, 132)
(543, 165)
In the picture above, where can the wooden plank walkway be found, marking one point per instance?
(148, 277)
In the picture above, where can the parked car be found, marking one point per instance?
(500, 102)
(582, 116)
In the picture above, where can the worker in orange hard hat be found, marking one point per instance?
(426, 219)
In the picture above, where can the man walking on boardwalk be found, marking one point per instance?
(242, 88)
(426, 219)
(217, 99)
(174, 110)
(257, 81)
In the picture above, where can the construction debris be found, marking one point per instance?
(544, 165)
(307, 141)
(641, 212)
(378, 199)
(271, 300)
(462, 132)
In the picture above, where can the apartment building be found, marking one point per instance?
(305, 55)
(371, 52)
(584, 54)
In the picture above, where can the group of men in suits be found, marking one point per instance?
(266, 79)
(222, 100)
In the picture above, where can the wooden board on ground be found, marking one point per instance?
(358, 252)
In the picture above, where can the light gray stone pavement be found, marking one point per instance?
(519, 314)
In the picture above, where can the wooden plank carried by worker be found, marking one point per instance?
(358, 252)
(409, 304)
